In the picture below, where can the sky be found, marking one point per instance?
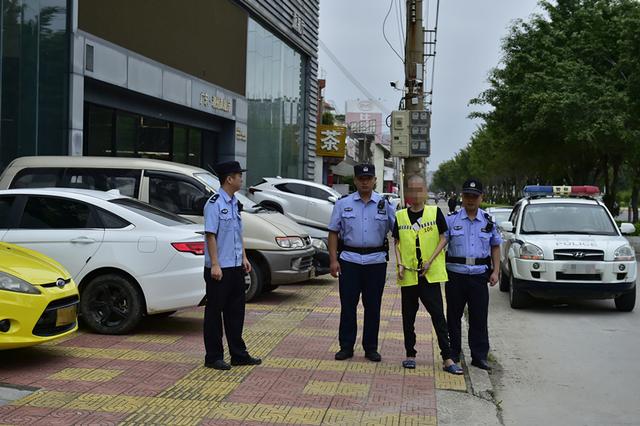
(468, 47)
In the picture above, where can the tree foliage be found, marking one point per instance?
(564, 103)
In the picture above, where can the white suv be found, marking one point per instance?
(566, 247)
(307, 203)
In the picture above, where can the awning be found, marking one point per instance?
(342, 169)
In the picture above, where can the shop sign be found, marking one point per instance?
(330, 141)
(215, 102)
(241, 135)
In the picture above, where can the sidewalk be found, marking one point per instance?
(156, 375)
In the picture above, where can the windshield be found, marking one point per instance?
(208, 179)
(586, 219)
(147, 210)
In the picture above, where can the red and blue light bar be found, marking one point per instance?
(562, 190)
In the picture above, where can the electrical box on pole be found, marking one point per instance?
(410, 134)
(420, 133)
(400, 134)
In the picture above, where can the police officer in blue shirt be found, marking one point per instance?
(473, 258)
(225, 264)
(358, 232)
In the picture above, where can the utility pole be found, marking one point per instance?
(414, 76)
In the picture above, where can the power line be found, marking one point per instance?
(352, 78)
(399, 16)
(385, 35)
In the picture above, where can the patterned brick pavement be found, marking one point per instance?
(156, 375)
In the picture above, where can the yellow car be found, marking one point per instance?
(38, 298)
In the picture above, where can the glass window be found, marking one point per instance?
(126, 134)
(195, 147)
(180, 144)
(150, 212)
(99, 131)
(176, 196)
(565, 218)
(275, 94)
(110, 220)
(208, 179)
(126, 181)
(318, 193)
(5, 209)
(37, 178)
(293, 188)
(154, 139)
(55, 213)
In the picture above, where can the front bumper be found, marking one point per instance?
(38, 318)
(290, 266)
(574, 279)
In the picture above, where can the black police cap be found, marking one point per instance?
(228, 167)
(472, 186)
(364, 170)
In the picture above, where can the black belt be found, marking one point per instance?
(471, 261)
(364, 250)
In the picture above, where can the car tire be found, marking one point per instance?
(504, 281)
(254, 281)
(110, 304)
(272, 206)
(518, 299)
(626, 302)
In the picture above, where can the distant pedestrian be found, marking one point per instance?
(225, 266)
(358, 249)
(452, 203)
(473, 259)
(419, 237)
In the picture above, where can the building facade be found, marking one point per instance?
(196, 82)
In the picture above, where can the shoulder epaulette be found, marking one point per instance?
(240, 206)
(344, 196)
(488, 217)
(214, 198)
(453, 213)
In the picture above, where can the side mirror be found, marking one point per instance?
(627, 228)
(506, 226)
(332, 199)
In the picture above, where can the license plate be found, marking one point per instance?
(65, 316)
(582, 268)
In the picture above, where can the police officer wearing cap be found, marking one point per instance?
(358, 251)
(226, 264)
(473, 259)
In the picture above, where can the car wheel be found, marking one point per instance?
(626, 302)
(253, 281)
(272, 206)
(504, 281)
(518, 299)
(110, 304)
(269, 288)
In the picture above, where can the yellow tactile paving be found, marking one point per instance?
(418, 421)
(268, 413)
(47, 399)
(153, 338)
(380, 419)
(86, 374)
(316, 387)
(305, 416)
(342, 417)
(230, 411)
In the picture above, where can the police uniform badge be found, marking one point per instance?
(381, 209)
(224, 211)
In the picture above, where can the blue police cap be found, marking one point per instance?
(228, 167)
(364, 170)
(472, 186)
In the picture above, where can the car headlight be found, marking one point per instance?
(625, 252)
(290, 242)
(531, 252)
(319, 244)
(9, 282)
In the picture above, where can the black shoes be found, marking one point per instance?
(342, 354)
(373, 356)
(218, 364)
(249, 360)
(481, 363)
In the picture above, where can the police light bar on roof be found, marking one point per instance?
(562, 191)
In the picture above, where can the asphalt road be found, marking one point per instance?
(573, 364)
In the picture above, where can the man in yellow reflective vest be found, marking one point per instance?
(419, 235)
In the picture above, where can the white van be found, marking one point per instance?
(280, 252)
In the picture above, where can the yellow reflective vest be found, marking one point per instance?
(426, 231)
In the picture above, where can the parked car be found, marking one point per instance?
(278, 250)
(499, 214)
(129, 258)
(38, 297)
(307, 203)
(559, 246)
(394, 199)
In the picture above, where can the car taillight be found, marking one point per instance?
(253, 190)
(196, 248)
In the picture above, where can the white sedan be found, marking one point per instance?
(129, 258)
(307, 203)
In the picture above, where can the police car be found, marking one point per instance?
(562, 242)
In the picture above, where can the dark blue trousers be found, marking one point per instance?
(471, 290)
(369, 281)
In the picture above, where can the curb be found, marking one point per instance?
(10, 393)
(479, 380)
